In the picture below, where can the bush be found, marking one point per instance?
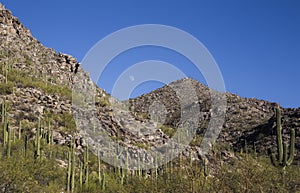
(24, 79)
(169, 131)
(6, 88)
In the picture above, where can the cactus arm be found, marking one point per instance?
(274, 161)
(285, 154)
(292, 148)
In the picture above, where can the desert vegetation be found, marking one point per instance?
(33, 162)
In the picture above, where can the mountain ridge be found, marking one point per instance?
(248, 118)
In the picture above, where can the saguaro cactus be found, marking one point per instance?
(5, 131)
(25, 145)
(71, 168)
(80, 176)
(69, 172)
(86, 166)
(8, 140)
(19, 130)
(3, 112)
(283, 159)
(99, 167)
(38, 141)
(103, 182)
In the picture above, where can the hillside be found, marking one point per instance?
(250, 121)
(44, 147)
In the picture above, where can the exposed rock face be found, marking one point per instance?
(249, 120)
(29, 54)
(40, 67)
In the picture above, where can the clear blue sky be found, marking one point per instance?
(255, 43)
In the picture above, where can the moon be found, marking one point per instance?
(131, 78)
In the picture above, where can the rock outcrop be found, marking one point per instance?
(248, 122)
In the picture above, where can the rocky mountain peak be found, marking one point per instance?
(248, 120)
(2, 7)
(11, 26)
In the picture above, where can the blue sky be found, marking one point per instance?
(255, 43)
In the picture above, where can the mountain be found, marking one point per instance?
(54, 132)
(250, 121)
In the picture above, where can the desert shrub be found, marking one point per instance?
(24, 79)
(6, 88)
(169, 131)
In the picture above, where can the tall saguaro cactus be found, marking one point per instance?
(86, 166)
(3, 112)
(38, 141)
(69, 172)
(8, 140)
(283, 159)
(71, 168)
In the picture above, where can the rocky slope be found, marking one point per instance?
(248, 122)
(37, 83)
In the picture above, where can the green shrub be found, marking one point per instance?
(197, 140)
(65, 120)
(6, 89)
(104, 102)
(169, 131)
(24, 79)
